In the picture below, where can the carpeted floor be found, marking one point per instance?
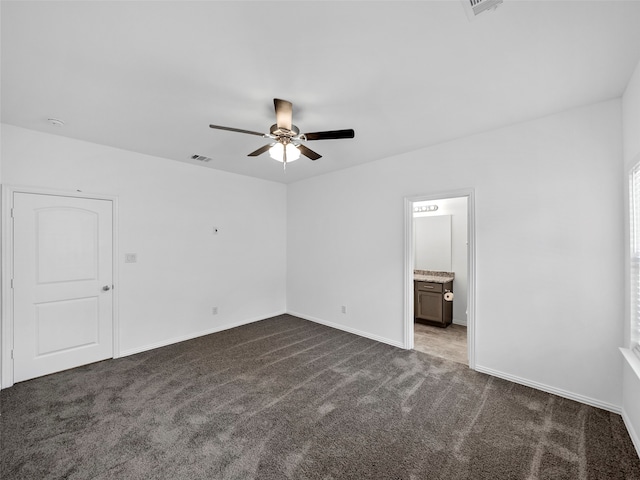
(288, 399)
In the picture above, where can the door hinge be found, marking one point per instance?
(12, 210)
(11, 354)
(12, 283)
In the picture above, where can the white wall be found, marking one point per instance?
(457, 208)
(548, 251)
(167, 211)
(631, 142)
(545, 193)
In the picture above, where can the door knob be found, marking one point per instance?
(106, 288)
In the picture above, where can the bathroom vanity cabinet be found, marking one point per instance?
(430, 307)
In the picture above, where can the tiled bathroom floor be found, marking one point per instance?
(449, 343)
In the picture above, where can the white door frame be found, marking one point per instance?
(6, 320)
(469, 193)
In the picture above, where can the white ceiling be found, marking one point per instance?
(151, 76)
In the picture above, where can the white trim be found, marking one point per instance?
(471, 267)
(6, 325)
(6, 246)
(632, 360)
(553, 390)
(635, 439)
(631, 267)
(409, 255)
(355, 331)
(116, 277)
(191, 336)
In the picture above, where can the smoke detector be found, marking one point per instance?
(473, 8)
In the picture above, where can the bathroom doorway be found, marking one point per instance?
(439, 268)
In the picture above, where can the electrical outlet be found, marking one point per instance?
(214, 310)
(344, 309)
(130, 257)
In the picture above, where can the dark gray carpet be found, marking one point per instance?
(288, 399)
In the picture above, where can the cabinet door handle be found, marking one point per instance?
(428, 286)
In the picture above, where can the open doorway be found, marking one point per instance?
(439, 267)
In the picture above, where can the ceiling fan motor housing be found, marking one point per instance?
(283, 132)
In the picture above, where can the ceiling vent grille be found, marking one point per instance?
(473, 8)
(200, 158)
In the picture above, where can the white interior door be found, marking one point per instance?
(62, 283)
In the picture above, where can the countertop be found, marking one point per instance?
(433, 276)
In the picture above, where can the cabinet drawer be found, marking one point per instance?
(430, 287)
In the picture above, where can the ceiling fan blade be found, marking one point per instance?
(260, 151)
(308, 152)
(284, 113)
(330, 134)
(239, 130)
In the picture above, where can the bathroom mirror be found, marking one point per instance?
(432, 243)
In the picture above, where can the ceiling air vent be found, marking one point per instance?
(200, 158)
(473, 8)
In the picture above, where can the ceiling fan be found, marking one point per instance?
(287, 140)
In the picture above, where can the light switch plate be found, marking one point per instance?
(130, 257)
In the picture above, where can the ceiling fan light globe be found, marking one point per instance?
(277, 152)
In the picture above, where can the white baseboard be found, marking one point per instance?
(460, 322)
(171, 341)
(634, 363)
(553, 390)
(512, 378)
(355, 331)
(635, 438)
